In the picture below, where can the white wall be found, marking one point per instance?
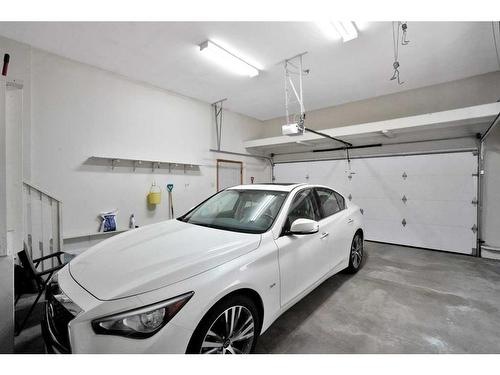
(79, 111)
(20, 70)
(72, 111)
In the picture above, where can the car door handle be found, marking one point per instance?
(350, 221)
(324, 235)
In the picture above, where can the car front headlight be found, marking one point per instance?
(143, 322)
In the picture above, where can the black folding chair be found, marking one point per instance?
(40, 278)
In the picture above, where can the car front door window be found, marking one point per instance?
(303, 207)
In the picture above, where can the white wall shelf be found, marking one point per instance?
(142, 163)
(89, 236)
(455, 123)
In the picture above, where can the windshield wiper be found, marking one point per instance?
(230, 229)
(204, 224)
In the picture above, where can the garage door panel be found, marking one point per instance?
(423, 212)
(330, 173)
(442, 237)
(292, 172)
(378, 187)
(371, 167)
(439, 190)
(376, 209)
(442, 212)
(453, 239)
(417, 165)
(385, 231)
(453, 163)
(451, 187)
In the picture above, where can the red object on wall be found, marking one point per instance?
(6, 59)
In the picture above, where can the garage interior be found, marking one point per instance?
(94, 117)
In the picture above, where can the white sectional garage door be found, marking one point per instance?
(419, 200)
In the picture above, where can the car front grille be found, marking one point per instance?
(57, 320)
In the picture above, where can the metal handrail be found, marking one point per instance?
(34, 187)
(57, 238)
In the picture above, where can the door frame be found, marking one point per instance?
(218, 161)
(3, 170)
(480, 183)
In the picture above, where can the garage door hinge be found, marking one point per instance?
(474, 229)
(350, 197)
(362, 211)
(475, 153)
(474, 201)
(404, 199)
(475, 174)
(404, 175)
(403, 222)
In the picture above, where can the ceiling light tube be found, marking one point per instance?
(328, 29)
(228, 60)
(346, 29)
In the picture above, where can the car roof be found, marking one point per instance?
(269, 186)
(279, 186)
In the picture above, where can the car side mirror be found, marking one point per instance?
(304, 226)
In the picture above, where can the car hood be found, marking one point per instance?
(155, 256)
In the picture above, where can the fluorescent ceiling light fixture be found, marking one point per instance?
(227, 59)
(339, 29)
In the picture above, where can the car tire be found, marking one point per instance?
(356, 253)
(232, 326)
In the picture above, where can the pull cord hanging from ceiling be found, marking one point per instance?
(396, 27)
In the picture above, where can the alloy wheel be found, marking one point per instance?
(233, 332)
(357, 251)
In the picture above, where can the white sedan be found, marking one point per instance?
(211, 281)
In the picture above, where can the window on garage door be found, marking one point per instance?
(328, 202)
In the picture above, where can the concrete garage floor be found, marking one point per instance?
(403, 300)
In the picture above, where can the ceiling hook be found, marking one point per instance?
(404, 27)
(395, 75)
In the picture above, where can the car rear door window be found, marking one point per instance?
(328, 202)
(340, 200)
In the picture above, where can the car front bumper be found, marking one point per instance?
(172, 339)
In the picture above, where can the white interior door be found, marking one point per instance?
(3, 171)
(6, 259)
(229, 173)
(420, 200)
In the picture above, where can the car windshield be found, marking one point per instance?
(248, 211)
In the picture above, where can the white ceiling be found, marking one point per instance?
(166, 55)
